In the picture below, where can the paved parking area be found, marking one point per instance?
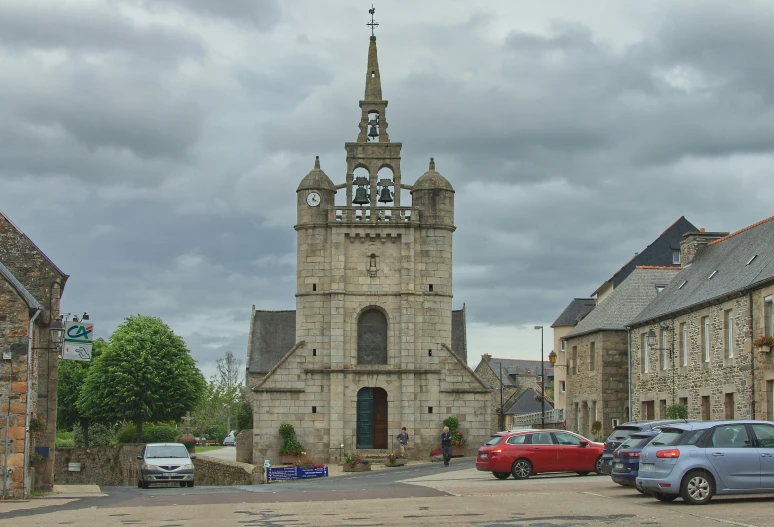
(406, 496)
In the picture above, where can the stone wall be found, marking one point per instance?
(111, 466)
(603, 389)
(244, 446)
(484, 371)
(721, 376)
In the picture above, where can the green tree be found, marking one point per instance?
(216, 405)
(231, 374)
(72, 375)
(677, 411)
(145, 374)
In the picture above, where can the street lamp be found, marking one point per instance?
(542, 382)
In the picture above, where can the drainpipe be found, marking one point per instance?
(752, 356)
(629, 369)
(29, 402)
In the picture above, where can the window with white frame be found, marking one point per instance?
(592, 356)
(768, 315)
(706, 338)
(645, 358)
(728, 323)
(684, 344)
(675, 256)
(562, 343)
(664, 351)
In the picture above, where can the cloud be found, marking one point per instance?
(263, 14)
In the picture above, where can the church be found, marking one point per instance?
(373, 344)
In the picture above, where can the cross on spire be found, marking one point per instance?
(372, 24)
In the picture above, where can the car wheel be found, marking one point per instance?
(598, 466)
(697, 487)
(139, 484)
(583, 473)
(521, 469)
(190, 483)
(501, 475)
(144, 484)
(660, 496)
(182, 483)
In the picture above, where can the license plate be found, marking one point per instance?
(167, 474)
(645, 467)
(483, 455)
(619, 465)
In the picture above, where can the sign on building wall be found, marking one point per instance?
(77, 341)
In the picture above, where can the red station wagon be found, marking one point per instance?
(527, 452)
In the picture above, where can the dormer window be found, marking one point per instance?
(659, 288)
(676, 256)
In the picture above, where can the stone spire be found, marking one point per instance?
(373, 87)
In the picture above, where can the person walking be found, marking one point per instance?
(403, 439)
(446, 445)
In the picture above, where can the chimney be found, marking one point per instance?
(486, 356)
(694, 243)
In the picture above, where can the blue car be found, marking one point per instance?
(695, 461)
(626, 458)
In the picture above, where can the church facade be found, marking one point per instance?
(373, 344)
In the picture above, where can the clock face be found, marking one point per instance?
(313, 199)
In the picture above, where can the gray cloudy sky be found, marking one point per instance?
(152, 147)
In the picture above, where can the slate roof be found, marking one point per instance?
(44, 255)
(728, 256)
(657, 253)
(626, 301)
(575, 312)
(514, 367)
(20, 289)
(526, 403)
(273, 334)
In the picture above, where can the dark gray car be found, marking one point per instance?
(165, 463)
(622, 432)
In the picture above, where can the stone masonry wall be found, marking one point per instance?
(721, 376)
(484, 371)
(764, 362)
(604, 388)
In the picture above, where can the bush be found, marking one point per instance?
(677, 411)
(150, 434)
(64, 439)
(290, 445)
(216, 432)
(244, 416)
(99, 435)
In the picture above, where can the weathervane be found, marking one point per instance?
(372, 24)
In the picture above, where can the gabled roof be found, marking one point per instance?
(626, 301)
(658, 253)
(20, 289)
(36, 248)
(575, 312)
(273, 334)
(515, 367)
(526, 403)
(729, 259)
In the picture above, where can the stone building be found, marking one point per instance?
(704, 322)
(510, 378)
(597, 352)
(528, 403)
(374, 346)
(30, 289)
(570, 317)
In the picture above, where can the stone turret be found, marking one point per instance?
(434, 196)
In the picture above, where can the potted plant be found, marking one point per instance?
(36, 460)
(189, 442)
(458, 438)
(354, 462)
(291, 449)
(307, 467)
(37, 426)
(764, 343)
(436, 455)
(395, 459)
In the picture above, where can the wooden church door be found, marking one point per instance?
(372, 418)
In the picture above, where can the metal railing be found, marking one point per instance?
(555, 415)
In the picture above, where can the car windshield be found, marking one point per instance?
(622, 433)
(668, 436)
(166, 451)
(494, 440)
(636, 442)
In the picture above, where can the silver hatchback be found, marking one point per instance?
(698, 460)
(165, 463)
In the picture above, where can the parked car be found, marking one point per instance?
(522, 453)
(165, 463)
(622, 432)
(697, 460)
(229, 441)
(626, 458)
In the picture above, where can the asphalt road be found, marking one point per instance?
(406, 496)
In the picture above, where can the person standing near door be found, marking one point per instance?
(403, 439)
(446, 445)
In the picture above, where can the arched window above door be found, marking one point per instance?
(372, 337)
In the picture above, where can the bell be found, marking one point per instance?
(385, 196)
(361, 197)
(373, 133)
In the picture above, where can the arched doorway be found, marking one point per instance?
(372, 418)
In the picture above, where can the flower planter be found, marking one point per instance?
(765, 349)
(439, 457)
(357, 467)
(289, 459)
(457, 451)
(397, 462)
